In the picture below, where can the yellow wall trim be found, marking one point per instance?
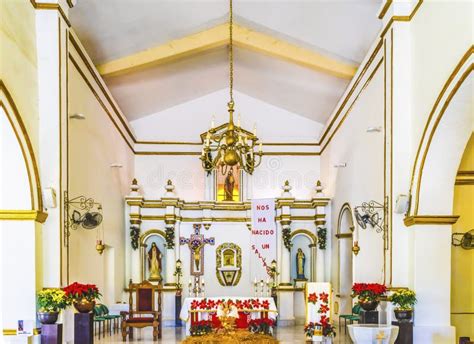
(23, 215)
(385, 8)
(430, 220)
(465, 178)
(51, 6)
(217, 37)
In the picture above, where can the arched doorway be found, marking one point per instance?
(345, 227)
(462, 260)
(20, 208)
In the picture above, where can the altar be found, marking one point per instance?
(196, 309)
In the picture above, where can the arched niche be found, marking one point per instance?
(345, 229)
(447, 131)
(19, 177)
(147, 239)
(306, 241)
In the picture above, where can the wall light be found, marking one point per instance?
(77, 116)
(342, 164)
(116, 165)
(374, 129)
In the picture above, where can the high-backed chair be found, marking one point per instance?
(145, 313)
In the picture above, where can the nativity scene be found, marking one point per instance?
(236, 171)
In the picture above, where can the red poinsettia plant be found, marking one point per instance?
(368, 292)
(262, 325)
(78, 291)
(313, 298)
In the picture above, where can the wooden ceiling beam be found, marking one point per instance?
(219, 36)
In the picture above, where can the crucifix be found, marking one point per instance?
(196, 244)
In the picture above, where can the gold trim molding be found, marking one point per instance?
(51, 6)
(430, 220)
(23, 215)
(306, 232)
(343, 235)
(465, 178)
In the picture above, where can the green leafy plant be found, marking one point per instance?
(405, 299)
(322, 238)
(52, 300)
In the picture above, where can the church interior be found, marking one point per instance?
(236, 171)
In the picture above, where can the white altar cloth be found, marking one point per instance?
(203, 314)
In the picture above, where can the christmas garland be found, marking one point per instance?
(286, 233)
(134, 236)
(169, 236)
(322, 238)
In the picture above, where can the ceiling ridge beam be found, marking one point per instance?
(218, 36)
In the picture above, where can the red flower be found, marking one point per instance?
(324, 297)
(323, 309)
(203, 303)
(238, 304)
(211, 304)
(312, 298)
(246, 304)
(194, 304)
(265, 304)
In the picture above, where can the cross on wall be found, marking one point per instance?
(196, 243)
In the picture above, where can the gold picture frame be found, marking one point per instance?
(220, 192)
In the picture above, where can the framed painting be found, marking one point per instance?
(228, 184)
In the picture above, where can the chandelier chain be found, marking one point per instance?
(231, 53)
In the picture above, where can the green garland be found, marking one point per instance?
(322, 238)
(134, 236)
(286, 233)
(169, 233)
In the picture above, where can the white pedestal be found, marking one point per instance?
(286, 307)
(373, 333)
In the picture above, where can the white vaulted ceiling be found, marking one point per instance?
(342, 30)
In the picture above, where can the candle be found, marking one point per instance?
(238, 121)
(212, 122)
(255, 129)
(260, 147)
(255, 281)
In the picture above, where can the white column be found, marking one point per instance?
(51, 41)
(320, 265)
(285, 263)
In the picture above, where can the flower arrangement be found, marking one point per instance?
(262, 326)
(52, 300)
(241, 305)
(404, 299)
(368, 292)
(77, 291)
(200, 328)
(322, 238)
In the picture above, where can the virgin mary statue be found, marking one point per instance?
(154, 263)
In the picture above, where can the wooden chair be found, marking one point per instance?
(144, 314)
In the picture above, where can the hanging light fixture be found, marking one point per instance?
(229, 145)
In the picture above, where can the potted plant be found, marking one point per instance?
(82, 296)
(325, 330)
(368, 294)
(404, 299)
(50, 303)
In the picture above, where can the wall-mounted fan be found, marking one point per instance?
(371, 213)
(465, 240)
(81, 212)
(88, 220)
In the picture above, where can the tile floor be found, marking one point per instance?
(286, 335)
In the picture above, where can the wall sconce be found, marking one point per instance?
(356, 248)
(342, 164)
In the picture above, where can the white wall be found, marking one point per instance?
(362, 179)
(95, 144)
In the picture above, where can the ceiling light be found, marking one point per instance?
(229, 145)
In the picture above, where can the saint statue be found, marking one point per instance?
(154, 263)
(229, 185)
(300, 260)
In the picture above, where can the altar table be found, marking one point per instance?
(191, 315)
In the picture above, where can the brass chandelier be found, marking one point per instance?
(229, 145)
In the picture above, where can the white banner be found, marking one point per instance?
(263, 239)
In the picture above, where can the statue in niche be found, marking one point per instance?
(229, 185)
(300, 260)
(154, 263)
